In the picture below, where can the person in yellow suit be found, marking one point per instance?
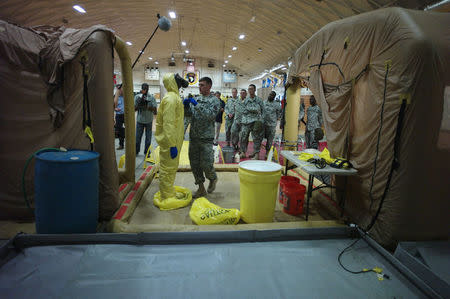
(170, 133)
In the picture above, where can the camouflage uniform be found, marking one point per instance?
(314, 121)
(251, 121)
(272, 113)
(301, 112)
(229, 109)
(201, 136)
(239, 108)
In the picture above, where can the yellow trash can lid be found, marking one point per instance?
(260, 166)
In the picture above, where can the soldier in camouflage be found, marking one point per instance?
(238, 111)
(313, 122)
(272, 113)
(251, 121)
(229, 114)
(203, 111)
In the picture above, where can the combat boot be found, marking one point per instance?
(200, 192)
(212, 185)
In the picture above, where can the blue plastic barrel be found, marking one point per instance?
(66, 192)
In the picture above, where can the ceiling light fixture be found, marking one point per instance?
(285, 68)
(226, 61)
(241, 36)
(259, 49)
(186, 51)
(129, 43)
(156, 62)
(223, 65)
(142, 52)
(151, 58)
(79, 8)
(229, 56)
(183, 43)
(172, 14)
(234, 48)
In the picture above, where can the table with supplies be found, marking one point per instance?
(292, 161)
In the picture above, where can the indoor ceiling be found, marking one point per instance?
(273, 29)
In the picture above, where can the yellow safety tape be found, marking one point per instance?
(88, 132)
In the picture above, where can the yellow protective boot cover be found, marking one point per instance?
(183, 198)
(204, 212)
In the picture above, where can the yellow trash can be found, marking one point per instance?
(258, 190)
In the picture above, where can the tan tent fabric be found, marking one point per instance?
(346, 64)
(40, 73)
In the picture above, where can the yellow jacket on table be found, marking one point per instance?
(169, 133)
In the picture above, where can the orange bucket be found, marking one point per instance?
(294, 197)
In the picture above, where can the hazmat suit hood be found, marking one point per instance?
(170, 83)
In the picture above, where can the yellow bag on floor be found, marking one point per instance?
(204, 212)
(183, 198)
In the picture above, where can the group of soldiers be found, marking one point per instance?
(249, 114)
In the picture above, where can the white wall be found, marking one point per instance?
(201, 64)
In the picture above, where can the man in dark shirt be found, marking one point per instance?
(219, 118)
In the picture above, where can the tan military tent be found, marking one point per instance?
(379, 78)
(41, 84)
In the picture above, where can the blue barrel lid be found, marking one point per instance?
(71, 156)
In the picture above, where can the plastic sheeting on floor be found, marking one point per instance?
(289, 269)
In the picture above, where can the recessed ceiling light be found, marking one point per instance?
(226, 61)
(79, 8)
(151, 58)
(129, 43)
(241, 36)
(142, 52)
(156, 62)
(183, 43)
(285, 68)
(186, 51)
(234, 48)
(224, 65)
(229, 56)
(172, 14)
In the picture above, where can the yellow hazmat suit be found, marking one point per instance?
(169, 133)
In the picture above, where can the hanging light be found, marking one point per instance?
(79, 8)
